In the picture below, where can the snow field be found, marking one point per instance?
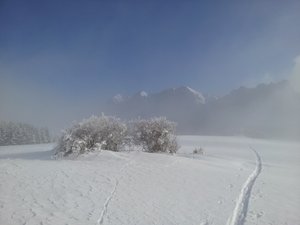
(144, 188)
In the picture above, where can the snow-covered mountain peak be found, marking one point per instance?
(118, 98)
(196, 93)
(143, 94)
(189, 91)
(139, 95)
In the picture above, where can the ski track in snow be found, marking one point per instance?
(112, 194)
(240, 211)
(104, 210)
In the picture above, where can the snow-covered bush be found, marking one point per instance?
(102, 132)
(155, 135)
(199, 151)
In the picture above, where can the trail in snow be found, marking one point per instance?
(104, 210)
(240, 211)
(113, 192)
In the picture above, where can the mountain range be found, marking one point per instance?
(266, 111)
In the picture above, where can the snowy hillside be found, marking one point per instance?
(237, 181)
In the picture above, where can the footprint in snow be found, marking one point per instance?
(259, 214)
(220, 201)
(256, 215)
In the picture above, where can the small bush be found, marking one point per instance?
(199, 151)
(103, 132)
(155, 135)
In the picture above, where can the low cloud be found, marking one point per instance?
(295, 76)
(292, 74)
(264, 79)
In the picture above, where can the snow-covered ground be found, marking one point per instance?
(237, 181)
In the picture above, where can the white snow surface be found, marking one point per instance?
(237, 181)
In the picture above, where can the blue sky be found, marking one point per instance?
(82, 52)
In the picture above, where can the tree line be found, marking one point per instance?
(16, 133)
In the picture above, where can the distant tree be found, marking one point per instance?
(4, 133)
(12, 133)
(44, 135)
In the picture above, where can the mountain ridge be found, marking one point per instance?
(262, 111)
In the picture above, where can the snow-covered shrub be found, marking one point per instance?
(199, 151)
(155, 135)
(102, 132)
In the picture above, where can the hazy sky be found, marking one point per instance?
(61, 59)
